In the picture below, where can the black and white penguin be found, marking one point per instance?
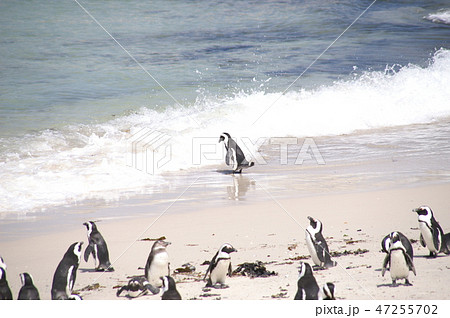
(398, 260)
(137, 286)
(66, 273)
(235, 157)
(386, 243)
(169, 288)
(317, 246)
(327, 292)
(28, 290)
(307, 288)
(220, 267)
(5, 291)
(98, 248)
(157, 265)
(431, 234)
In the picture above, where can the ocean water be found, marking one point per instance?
(83, 119)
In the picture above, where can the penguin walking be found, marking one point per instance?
(66, 273)
(28, 291)
(98, 248)
(157, 265)
(327, 292)
(169, 288)
(5, 291)
(317, 246)
(398, 260)
(307, 288)
(431, 234)
(220, 267)
(386, 243)
(137, 286)
(235, 157)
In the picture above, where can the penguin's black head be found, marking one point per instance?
(328, 291)
(423, 210)
(394, 237)
(227, 248)
(26, 279)
(90, 226)
(168, 283)
(223, 136)
(160, 244)
(74, 250)
(304, 270)
(315, 224)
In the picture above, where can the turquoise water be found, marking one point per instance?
(71, 98)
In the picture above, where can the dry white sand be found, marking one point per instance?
(271, 232)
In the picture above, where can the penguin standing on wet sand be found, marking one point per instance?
(169, 288)
(157, 265)
(386, 243)
(5, 291)
(220, 267)
(307, 288)
(399, 262)
(98, 248)
(28, 290)
(431, 234)
(66, 273)
(317, 246)
(235, 157)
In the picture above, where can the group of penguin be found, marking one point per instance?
(398, 260)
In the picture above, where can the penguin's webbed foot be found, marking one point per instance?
(154, 290)
(432, 255)
(220, 286)
(394, 283)
(407, 283)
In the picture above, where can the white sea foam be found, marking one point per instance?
(107, 161)
(442, 16)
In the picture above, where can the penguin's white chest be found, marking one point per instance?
(158, 268)
(219, 273)
(312, 249)
(399, 268)
(427, 236)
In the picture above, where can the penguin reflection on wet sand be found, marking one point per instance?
(5, 291)
(431, 234)
(307, 288)
(98, 248)
(235, 157)
(398, 261)
(157, 265)
(220, 267)
(317, 246)
(66, 273)
(28, 290)
(169, 289)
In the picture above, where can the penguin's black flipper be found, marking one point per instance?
(410, 263)
(422, 241)
(211, 266)
(445, 248)
(89, 249)
(386, 261)
(121, 290)
(154, 290)
(230, 270)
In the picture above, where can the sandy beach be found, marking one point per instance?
(272, 231)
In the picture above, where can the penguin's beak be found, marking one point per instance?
(167, 243)
(416, 210)
(221, 139)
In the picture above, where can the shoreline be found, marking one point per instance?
(271, 232)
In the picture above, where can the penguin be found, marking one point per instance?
(219, 267)
(66, 272)
(157, 264)
(137, 286)
(307, 288)
(5, 291)
(98, 248)
(398, 260)
(327, 292)
(169, 288)
(386, 243)
(317, 246)
(28, 290)
(431, 234)
(235, 157)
